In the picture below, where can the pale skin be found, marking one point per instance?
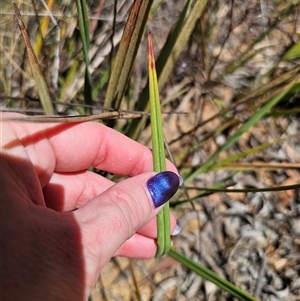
(61, 223)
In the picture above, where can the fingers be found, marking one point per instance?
(138, 247)
(150, 229)
(94, 144)
(118, 213)
(69, 191)
(71, 147)
(143, 246)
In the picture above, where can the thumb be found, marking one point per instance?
(114, 216)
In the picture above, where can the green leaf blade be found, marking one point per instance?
(159, 161)
(211, 276)
(37, 74)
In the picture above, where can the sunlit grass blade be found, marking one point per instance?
(292, 53)
(174, 45)
(127, 51)
(159, 161)
(271, 89)
(44, 24)
(224, 163)
(221, 184)
(246, 190)
(211, 276)
(181, 41)
(100, 84)
(205, 191)
(38, 76)
(210, 163)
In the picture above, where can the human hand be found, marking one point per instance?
(61, 223)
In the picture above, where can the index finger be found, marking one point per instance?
(76, 146)
(95, 144)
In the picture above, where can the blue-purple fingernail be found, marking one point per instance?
(162, 187)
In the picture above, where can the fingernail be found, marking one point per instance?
(177, 228)
(162, 187)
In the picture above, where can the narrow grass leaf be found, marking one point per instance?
(211, 276)
(84, 25)
(181, 41)
(246, 190)
(127, 52)
(210, 163)
(159, 161)
(205, 192)
(270, 89)
(100, 84)
(174, 45)
(43, 30)
(251, 151)
(292, 53)
(38, 76)
(249, 53)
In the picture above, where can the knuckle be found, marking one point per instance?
(127, 207)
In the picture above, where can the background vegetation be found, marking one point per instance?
(229, 87)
